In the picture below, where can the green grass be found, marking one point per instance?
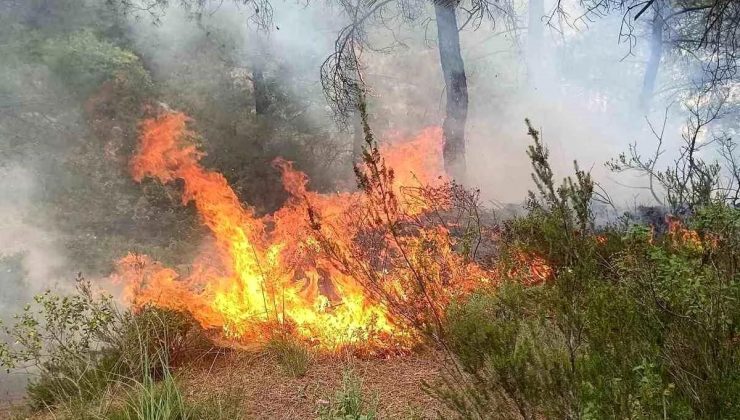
(349, 402)
(293, 357)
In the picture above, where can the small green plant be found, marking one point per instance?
(350, 403)
(156, 339)
(164, 399)
(152, 400)
(293, 356)
(63, 340)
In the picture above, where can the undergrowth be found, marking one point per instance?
(627, 323)
(293, 356)
(583, 322)
(82, 352)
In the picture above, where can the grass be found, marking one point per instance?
(148, 398)
(153, 401)
(293, 356)
(349, 402)
(165, 400)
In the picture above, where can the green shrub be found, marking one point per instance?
(83, 62)
(62, 339)
(156, 339)
(292, 356)
(349, 402)
(80, 345)
(628, 324)
(513, 356)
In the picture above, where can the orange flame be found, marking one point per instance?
(683, 237)
(530, 268)
(260, 278)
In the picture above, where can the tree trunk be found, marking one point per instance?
(656, 53)
(535, 37)
(456, 85)
(261, 96)
(259, 60)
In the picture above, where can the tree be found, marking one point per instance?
(456, 85)
(535, 38)
(341, 73)
(705, 30)
(656, 53)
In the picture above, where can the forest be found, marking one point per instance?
(370, 209)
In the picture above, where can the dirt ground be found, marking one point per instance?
(266, 392)
(256, 382)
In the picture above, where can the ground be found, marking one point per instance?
(268, 393)
(264, 391)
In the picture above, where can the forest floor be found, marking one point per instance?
(262, 390)
(266, 392)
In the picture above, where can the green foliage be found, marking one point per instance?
(350, 403)
(79, 346)
(79, 145)
(165, 400)
(524, 373)
(163, 338)
(62, 338)
(628, 325)
(292, 356)
(155, 401)
(83, 62)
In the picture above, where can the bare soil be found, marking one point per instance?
(266, 392)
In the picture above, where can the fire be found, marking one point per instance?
(267, 272)
(530, 268)
(683, 237)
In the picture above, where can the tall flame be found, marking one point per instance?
(260, 278)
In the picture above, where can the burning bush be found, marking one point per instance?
(331, 268)
(402, 252)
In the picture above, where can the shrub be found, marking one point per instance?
(80, 345)
(63, 340)
(156, 339)
(627, 323)
(83, 62)
(513, 357)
